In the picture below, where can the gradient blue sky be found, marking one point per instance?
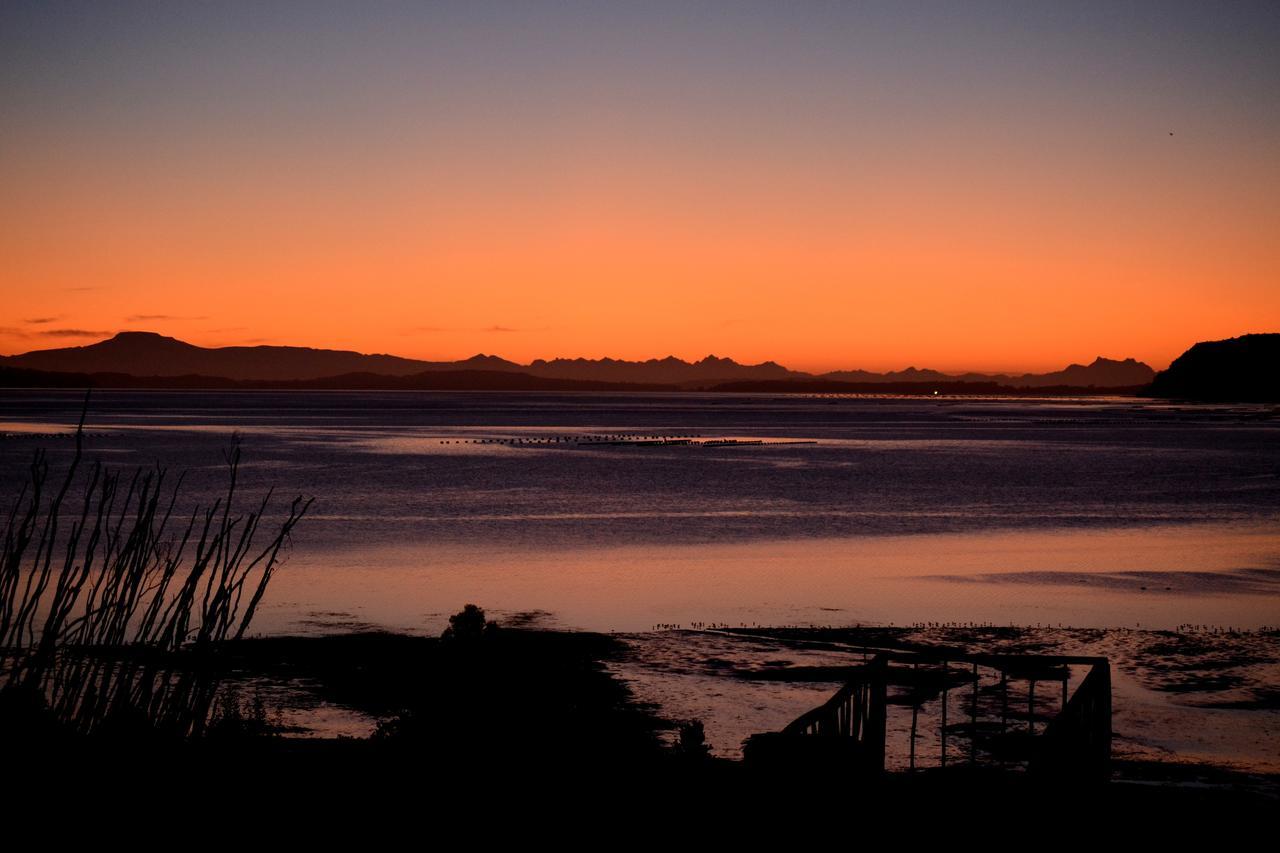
(964, 185)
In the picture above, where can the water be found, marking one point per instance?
(1106, 512)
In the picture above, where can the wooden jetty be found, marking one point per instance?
(980, 717)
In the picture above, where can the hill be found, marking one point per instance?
(1242, 369)
(151, 354)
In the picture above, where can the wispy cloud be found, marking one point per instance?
(36, 321)
(146, 318)
(496, 328)
(74, 333)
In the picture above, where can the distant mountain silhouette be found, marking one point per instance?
(148, 354)
(1242, 369)
(669, 370)
(911, 374)
(151, 354)
(1102, 373)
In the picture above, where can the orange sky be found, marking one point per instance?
(1019, 225)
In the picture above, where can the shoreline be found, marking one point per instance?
(553, 703)
(764, 677)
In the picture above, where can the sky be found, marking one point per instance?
(958, 185)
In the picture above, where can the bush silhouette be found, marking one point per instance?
(693, 741)
(468, 625)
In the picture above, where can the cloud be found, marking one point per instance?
(36, 321)
(145, 318)
(494, 329)
(74, 333)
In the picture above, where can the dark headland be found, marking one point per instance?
(1244, 369)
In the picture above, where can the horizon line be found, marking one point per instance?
(258, 342)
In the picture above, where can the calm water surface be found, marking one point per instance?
(1090, 513)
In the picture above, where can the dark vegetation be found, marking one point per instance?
(481, 699)
(481, 695)
(111, 598)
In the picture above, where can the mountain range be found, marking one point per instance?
(148, 354)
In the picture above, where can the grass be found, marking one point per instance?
(110, 600)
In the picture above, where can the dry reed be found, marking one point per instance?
(111, 605)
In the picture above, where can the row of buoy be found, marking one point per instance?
(701, 626)
(1145, 421)
(44, 435)
(568, 439)
(636, 437)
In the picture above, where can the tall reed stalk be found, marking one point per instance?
(111, 604)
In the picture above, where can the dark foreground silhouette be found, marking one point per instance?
(512, 714)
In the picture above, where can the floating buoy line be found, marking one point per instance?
(627, 440)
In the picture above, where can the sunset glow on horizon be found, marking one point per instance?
(830, 186)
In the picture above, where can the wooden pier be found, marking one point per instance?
(980, 717)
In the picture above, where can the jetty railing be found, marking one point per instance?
(1078, 739)
(851, 729)
(856, 711)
